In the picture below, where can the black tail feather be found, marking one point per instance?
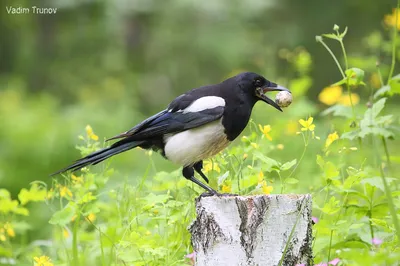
(101, 155)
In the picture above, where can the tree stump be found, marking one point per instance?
(253, 230)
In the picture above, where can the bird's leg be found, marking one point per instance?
(198, 166)
(188, 173)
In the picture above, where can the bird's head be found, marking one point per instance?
(257, 86)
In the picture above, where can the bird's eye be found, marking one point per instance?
(257, 83)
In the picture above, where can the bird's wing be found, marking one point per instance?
(184, 113)
(139, 126)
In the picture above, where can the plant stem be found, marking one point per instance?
(330, 246)
(344, 54)
(387, 153)
(75, 257)
(394, 45)
(334, 58)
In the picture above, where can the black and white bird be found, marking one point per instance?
(195, 126)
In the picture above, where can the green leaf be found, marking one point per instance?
(331, 36)
(35, 193)
(338, 110)
(351, 135)
(268, 163)
(291, 181)
(379, 222)
(63, 216)
(331, 207)
(343, 33)
(222, 178)
(382, 91)
(320, 161)
(330, 171)
(373, 112)
(355, 76)
(376, 181)
(286, 166)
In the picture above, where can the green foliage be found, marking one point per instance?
(347, 158)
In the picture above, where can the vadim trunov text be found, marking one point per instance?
(30, 10)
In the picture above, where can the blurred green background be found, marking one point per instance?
(111, 64)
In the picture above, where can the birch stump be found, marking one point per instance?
(254, 230)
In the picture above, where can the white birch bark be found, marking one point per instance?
(253, 230)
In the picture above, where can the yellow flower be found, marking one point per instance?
(245, 156)
(76, 179)
(209, 165)
(43, 261)
(266, 189)
(10, 231)
(91, 217)
(255, 145)
(330, 95)
(265, 130)
(331, 138)
(2, 235)
(226, 188)
(65, 191)
(260, 177)
(148, 233)
(390, 19)
(65, 233)
(280, 146)
(307, 125)
(90, 133)
(345, 99)
(263, 184)
(375, 80)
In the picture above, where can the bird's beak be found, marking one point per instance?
(272, 87)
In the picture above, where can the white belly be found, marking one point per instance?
(191, 146)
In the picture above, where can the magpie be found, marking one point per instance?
(195, 126)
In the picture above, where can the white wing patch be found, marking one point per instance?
(206, 102)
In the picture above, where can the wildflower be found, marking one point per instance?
(65, 233)
(91, 217)
(226, 188)
(43, 261)
(191, 257)
(90, 133)
(390, 19)
(334, 262)
(76, 179)
(148, 233)
(307, 125)
(209, 165)
(266, 189)
(345, 99)
(265, 130)
(245, 156)
(376, 241)
(353, 148)
(263, 184)
(255, 145)
(64, 191)
(149, 153)
(375, 80)
(50, 193)
(330, 95)
(331, 138)
(280, 146)
(2, 235)
(9, 230)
